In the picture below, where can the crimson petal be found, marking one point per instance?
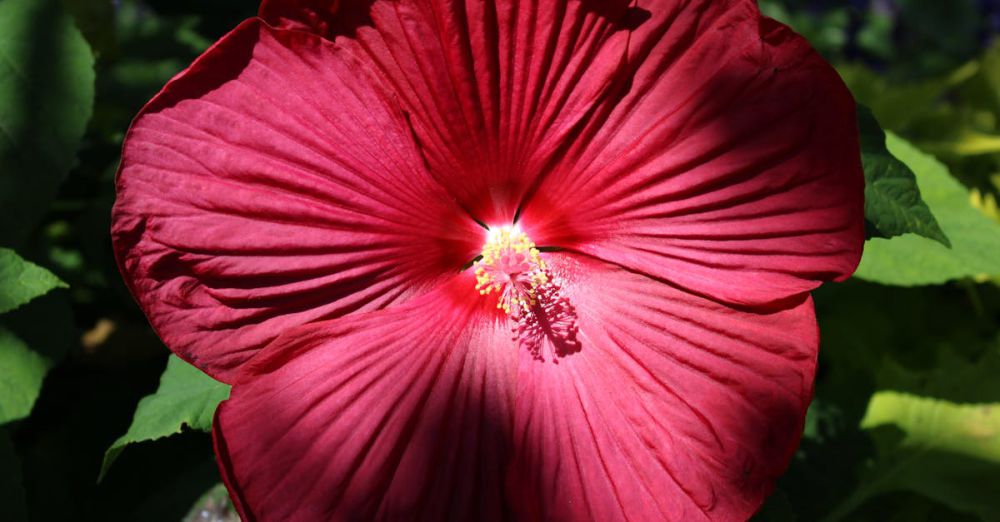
(494, 89)
(398, 414)
(730, 167)
(271, 184)
(687, 140)
(674, 408)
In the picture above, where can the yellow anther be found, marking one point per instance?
(511, 266)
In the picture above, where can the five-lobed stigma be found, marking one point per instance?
(511, 267)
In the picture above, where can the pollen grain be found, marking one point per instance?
(511, 267)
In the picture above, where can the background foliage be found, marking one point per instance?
(906, 420)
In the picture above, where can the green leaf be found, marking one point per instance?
(926, 341)
(32, 339)
(22, 281)
(972, 430)
(911, 260)
(942, 450)
(892, 200)
(46, 98)
(937, 434)
(21, 373)
(186, 397)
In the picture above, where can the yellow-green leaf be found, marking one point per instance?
(910, 260)
(21, 281)
(186, 398)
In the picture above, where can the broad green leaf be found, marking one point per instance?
(46, 98)
(21, 373)
(892, 200)
(972, 430)
(32, 339)
(943, 450)
(911, 260)
(936, 432)
(876, 338)
(186, 398)
(22, 281)
(12, 504)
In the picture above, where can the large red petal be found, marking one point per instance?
(687, 140)
(399, 414)
(730, 166)
(271, 184)
(494, 89)
(674, 408)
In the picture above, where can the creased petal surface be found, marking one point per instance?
(687, 140)
(674, 408)
(729, 166)
(271, 184)
(494, 89)
(399, 414)
(693, 160)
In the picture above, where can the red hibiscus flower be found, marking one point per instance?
(303, 214)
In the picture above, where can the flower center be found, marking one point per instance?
(511, 267)
(542, 320)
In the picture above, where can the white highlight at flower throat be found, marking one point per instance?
(544, 321)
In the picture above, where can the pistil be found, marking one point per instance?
(511, 267)
(542, 320)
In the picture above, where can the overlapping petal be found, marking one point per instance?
(675, 407)
(730, 167)
(687, 140)
(271, 184)
(494, 89)
(399, 414)
(318, 178)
